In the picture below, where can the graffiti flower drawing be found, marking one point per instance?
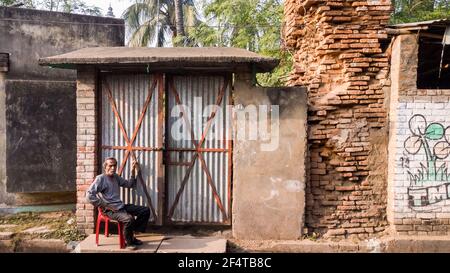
(429, 182)
(423, 137)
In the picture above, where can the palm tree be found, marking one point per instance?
(179, 18)
(142, 19)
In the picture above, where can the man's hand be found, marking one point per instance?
(135, 168)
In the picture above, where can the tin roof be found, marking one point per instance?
(423, 24)
(162, 57)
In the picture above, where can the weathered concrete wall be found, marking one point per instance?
(40, 101)
(4, 196)
(27, 37)
(419, 148)
(269, 186)
(340, 55)
(41, 129)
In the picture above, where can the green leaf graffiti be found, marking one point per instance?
(434, 131)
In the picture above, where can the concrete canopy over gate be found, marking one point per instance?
(164, 59)
(200, 193)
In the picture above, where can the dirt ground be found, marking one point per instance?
(44, 225)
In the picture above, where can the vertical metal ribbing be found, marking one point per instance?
(130, 93)
(197, 202)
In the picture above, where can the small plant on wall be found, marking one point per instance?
(428, 183)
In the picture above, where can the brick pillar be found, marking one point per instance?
(340, 55)
(87, 167)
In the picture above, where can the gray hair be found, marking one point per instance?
(109, 158)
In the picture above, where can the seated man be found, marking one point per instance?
(107, 184)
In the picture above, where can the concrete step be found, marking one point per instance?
(155, 244)
(111, 244)
(418, 244)
(6, 246)
(393, 244)
(189, 244)
(42, 246)
(34, 246)
(6, 235)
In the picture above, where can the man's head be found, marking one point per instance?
(110, 166)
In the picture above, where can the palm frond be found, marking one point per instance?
(144, 35)
(141, 16)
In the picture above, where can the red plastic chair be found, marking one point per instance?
(103, 218)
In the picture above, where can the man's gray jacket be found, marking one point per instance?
(105, 192)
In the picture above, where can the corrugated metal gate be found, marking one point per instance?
(195, 185)
(199, 163)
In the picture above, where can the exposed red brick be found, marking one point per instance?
(87, 137)
(338, 56)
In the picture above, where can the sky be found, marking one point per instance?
(118, 6)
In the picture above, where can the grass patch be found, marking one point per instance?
(62, 224)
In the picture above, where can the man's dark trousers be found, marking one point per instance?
(126, 216)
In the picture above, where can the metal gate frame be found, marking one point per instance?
(170, 89)
(163, 82)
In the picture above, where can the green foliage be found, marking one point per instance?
(313, 236)
(62, 224)
(26, 3)
(21, 219)
(78, 6)
(251, 24)
(279, 75)
(65, 231)
(147, 23)
(70, 6)
(419, 10)
(7, 2)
